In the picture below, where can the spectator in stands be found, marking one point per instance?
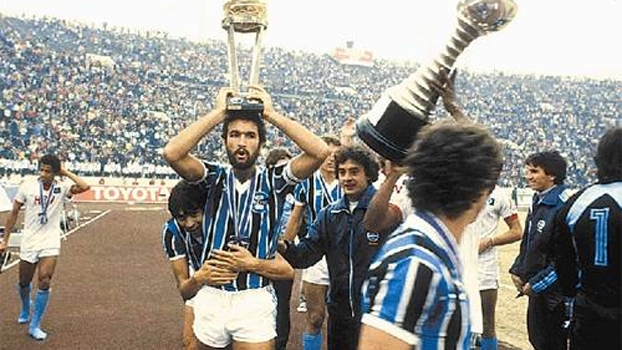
(533, 272)
(52, 100)
(40, 246)
(418, 272)
(260, 195)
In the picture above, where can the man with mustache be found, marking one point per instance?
(312, 195)
(339, 235)
(182, 239)
(243, 207)
(40, 245)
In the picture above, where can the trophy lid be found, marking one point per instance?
(246, 16)
(488, 15)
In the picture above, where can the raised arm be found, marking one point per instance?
(348, 131)
(79, 185)
(314, 150)
(177, 150)
(382, 215)
(446, 90)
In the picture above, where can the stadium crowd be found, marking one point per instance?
(110, 117)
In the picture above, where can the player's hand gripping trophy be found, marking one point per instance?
(244, 16)
(392, 124)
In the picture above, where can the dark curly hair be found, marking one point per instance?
(451, 165)
(51, 160)
(551, 162)
(360, 156)
(609, 156)
(186, 198)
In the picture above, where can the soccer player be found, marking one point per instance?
(182, 240)
(338, 235)
(243, 208)
(533, 272)
(40, 246)
(484, 231)
(414, 295)
(311, 195)
(283, 288)
(588, 251)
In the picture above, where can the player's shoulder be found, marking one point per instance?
(565, 194)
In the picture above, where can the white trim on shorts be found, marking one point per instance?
(33, 256)
(317, 274)
(221, 317)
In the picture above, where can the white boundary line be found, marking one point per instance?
(64, 236)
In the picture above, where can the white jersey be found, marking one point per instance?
(479, 266)
(499, 206)
(35, 235)
(399, 197)
(468, 249)
(5, 201)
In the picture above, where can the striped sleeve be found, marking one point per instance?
(405, 296)
(172, 243)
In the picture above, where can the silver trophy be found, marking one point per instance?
(244, 16)
(392, 124)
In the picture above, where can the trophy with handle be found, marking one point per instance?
(393, 122)
(244, 17)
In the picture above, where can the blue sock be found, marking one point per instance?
(24, 295)
(41, 302)
(312, 341)
(490, 344)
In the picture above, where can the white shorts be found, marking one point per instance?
(246, 316)
(190, 302)
(33, 256)
(317, 274)
(488, 275)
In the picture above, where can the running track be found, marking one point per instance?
(112, 289)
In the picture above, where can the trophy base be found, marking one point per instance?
(245, 106)
(393, 133)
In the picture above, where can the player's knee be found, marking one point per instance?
(190, 342)
(315, 319)
(44, 282)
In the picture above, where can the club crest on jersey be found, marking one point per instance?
(540, 225)
(260, 202)
(491, 201)
(373, 238)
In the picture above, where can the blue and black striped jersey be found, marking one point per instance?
(177, 242)
(588, 249)
(253, 215)
(414, 289)
(315, 194)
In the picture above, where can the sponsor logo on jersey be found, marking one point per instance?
(260, 203)
(373, 238)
